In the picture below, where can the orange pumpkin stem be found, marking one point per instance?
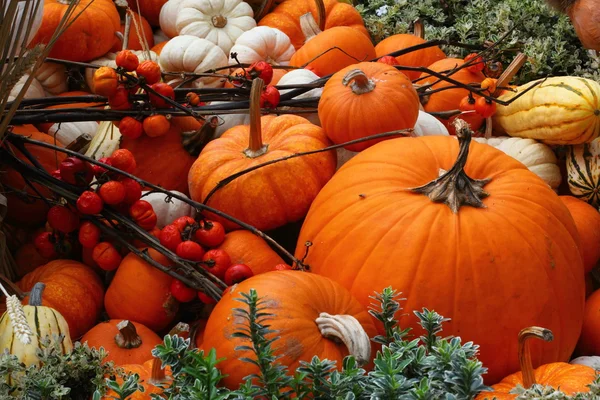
(359, 82)
(454, 187)
(157, 376)
(256, 148)
(309, 26)
(419, 28)
(35, 296)
(348, 330)
(127, 338)
(524, 353)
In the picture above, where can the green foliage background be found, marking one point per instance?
(546, 36)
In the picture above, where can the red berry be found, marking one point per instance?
(183, 222)
(106, 256)
(163, 89)
(170, 237)
(476, 63)
(206, 299)
(484, 107)
(237, 273)
(89, 203)
(112, 192)
(120, 99)
(56, 174)
(124, 160)
(282, 267)
(89, 234)
(190, 251)
(127, 60)
(181, 292)
(210, 234)
(216, 261)
(99, 170)
(62, 219)
(76, 171)
(143, 214)
(133, 190)
(150, 70)
(389, 60)
(45, 245)
(467, 103)
(131, 128)
(269, 98)
(262, 70)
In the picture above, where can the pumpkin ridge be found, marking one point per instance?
(592, 92)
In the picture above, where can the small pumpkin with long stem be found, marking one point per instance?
(272, 195)
(126, 342)
(365, 99)
(569, 378)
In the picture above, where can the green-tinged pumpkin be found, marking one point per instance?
(583, 171)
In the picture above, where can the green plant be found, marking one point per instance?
(540, 392)
(545, 36)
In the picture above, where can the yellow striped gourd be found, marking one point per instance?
(559, 110)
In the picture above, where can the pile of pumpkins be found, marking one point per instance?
(475, 230)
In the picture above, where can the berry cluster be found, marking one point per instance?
(260, 69)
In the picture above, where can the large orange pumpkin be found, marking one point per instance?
(492, 265)
(298, 300)
(271, 196)
(139, 292)
(419, 58)
(244, 247)
(140, 28)
(589, 341)
(447, 100)
(126, 342)
(587, 220)
(286, 17)
(25, 212)
(161, 160)
(364, 99)
(72, 289)
(569, 378)
(89, 36)
(329, 51)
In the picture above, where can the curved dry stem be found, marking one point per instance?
(35, 296)
(321, 14)
(454, 187)
(359, 82)
(349, 331)
(309, 26)
(127, 338)
(256, 148)
(419, 28)
(524, 353)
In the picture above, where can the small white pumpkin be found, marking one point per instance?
(109, 60)
(263, 44)
(220, 21)
(68, 132)
(53, 78)
(428, 125)
(302, 77)
(165, 211)
(590, 361)
(538, 157)
(192, 54)
(34, 91)
(168, 17)
(583, 171)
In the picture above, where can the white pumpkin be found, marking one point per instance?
(105, 141)
(109, 60)
(583, 171)
(53, 78)
(191, 54)
(428, 125)
(302, 77)
(538, 157)
(220, 21)
(68, 132)
(35, 11)
(263, 43)
(168, 17)
(590, 361)
(34, 91)
(165, 211)
(160, 36)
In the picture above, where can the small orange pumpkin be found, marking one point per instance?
(270, 196)
(365, 99)
(304, 305)
(587, 220)
(139, 292)
(140, 28)
(126, 342)
(570, 378)
(244, 247)
(72, 289)
(105, 81)
(156, 125)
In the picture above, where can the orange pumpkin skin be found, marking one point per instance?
(389, 236)
(157, 48)
(587, 220)
(90, 35)
(144, 370)
(447, 100)
(25, 213)
(139, 292)
(150, 9)
(165, 167)
(297, 299)
(570, 378)
(419, 58)
(145, 31)
(356, 45)
(286, 18)
(356, 110)
(45, 126)
(281, 191)
(589, 341)
(73, 289)
(103, 335)
(244, 247)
